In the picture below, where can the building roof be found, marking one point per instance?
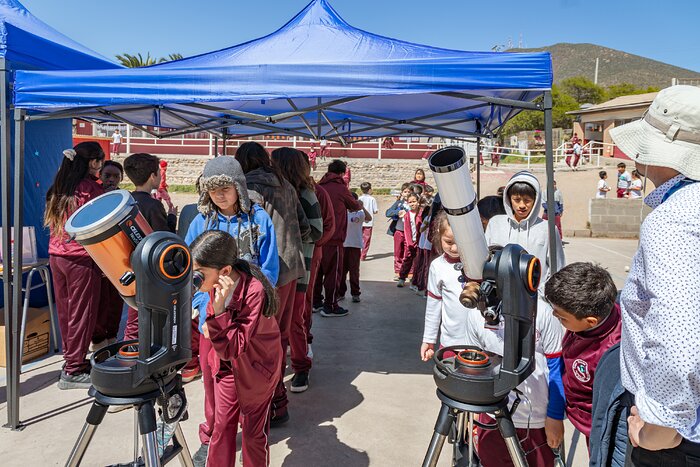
(622, 102)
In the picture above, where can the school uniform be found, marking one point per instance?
(370, 205)
(351, 255)
(77, 282)
(581, 352)
(396, 229)
(331, 269)
(424, 254)
(412, 223)
(543, 389)
(245, 365)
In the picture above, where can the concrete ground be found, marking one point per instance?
(371, 400)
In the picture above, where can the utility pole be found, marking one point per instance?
(595, 77)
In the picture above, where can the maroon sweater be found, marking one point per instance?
(581, 352)
(342, 201)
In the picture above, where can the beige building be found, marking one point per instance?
(595, 122)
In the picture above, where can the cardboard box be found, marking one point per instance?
(36, 342)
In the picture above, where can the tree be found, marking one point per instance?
(534, 119)
(583, 90)
(137, 61)
(626, 89)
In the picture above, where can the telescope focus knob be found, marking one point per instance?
(127, 278)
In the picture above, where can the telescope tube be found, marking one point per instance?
(451, 171)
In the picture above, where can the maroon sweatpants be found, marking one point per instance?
(207, 427)
(407, 263)
(557, 222)
(298, 342)
(131, 332)
(399, 250)
(109, 313)
(76, 283)
(284, 320)
(255, 427)
(366, 240)
(420, 276)
(351, 267)
(329, 274)
(493, 452)
(310, 290)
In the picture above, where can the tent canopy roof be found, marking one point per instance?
(317, 76)
(26, 40)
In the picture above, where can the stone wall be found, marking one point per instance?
(383, 173)
(619, 218)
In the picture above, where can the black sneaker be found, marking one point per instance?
(317, 308)
(327, 312)
(300, 382)
(279, 420)
(355, 299)
(76, 381)
(200, 457)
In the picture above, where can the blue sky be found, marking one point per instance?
(191, 27)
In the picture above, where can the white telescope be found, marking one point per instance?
(451, 171)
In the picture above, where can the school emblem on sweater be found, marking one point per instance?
(580, 368)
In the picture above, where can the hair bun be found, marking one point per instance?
(69, 154)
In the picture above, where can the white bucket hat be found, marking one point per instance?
(668, 135)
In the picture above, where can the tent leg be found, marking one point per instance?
(11, 370)
(478, 168)
(549, 159)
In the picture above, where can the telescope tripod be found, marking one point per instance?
(452, 415)
(144, 406)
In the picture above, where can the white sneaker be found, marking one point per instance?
(95, 347)
(310, 353)
(413, 288)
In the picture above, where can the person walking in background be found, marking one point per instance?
(116, 142)
(623, 180)
(496, 155)
(636, 186)
(603, 187)
(325, 151)
(370, 205)
(312, 155)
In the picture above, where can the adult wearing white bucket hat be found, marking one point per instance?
(660, 348)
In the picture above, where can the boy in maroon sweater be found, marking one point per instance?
(582, 296)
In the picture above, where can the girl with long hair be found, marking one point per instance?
(246, 360)
(280, 201)
(76, 277)
(294, 167)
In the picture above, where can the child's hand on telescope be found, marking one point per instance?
(426, 351)
(223, 287)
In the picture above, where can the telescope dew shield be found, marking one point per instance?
(451, 171)
(109, 227)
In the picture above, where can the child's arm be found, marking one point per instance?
(393, 211)
(231, 334)
(552, 334)
(267, 247)
(433, 315)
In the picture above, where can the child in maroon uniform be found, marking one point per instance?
(76, 278)
(246, 341)
(582, 296)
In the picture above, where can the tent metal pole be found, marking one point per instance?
(16, 319)
(549, 160)
(306, 110)
(494, 100)
(223, 141)
(5, 182)
(318, 120)
(478, 168)
(301, 116)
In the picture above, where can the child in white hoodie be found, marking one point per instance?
(521, 224)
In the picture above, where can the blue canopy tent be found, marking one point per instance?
(316, 77)
(28, 43)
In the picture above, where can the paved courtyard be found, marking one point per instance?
(371, 400)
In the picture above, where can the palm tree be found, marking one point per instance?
(137, 61)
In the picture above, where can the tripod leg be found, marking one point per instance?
(446, 418)
(147, 428)
(94, 418)
(507, 429)
(185, 456)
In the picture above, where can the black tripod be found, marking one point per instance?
(452, 414)
(144, 405)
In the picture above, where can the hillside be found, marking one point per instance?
(615, 66)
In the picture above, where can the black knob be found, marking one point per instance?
(127, 278)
